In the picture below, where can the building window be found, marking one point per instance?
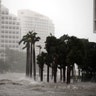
(17, 37)
(17, 32)
(6, 41)
(13, 46)
(10, 27)
(2, 26)
(13, 27)
(16, 46)
(13, 36)
(13, 41)
(17, 27)
(9, 45)
(6, 17)
(6, 27)
(13, 32)
(10, 22)
(14, 23)
(2, 22)
(16, 41)
(9, 31)
(9, 36)
(2, 12)
(2, 31)
(6, 22)
(10, 18)
(6, 12)
(17, 23)
(6, 31)
(2, 41)
(2, 36)
(2, 45)
(9, 41)
(6, 36)
(2, 18)
(14, 18)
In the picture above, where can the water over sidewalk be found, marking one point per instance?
(16, 84)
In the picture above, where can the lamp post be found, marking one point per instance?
(40, 47)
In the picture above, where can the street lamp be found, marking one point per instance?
(39, 46)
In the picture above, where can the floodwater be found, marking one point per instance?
(16, 84)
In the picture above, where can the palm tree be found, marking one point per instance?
(26, 41)
(29, 40)
(35, 39)
(31, 51)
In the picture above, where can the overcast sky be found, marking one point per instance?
(72, 17)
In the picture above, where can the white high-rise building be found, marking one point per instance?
(0, 16)
(9, 30)
(39, 23)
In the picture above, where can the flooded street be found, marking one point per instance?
(15, 84)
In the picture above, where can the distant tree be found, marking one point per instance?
(4, 66)
(51, 46)
(89, 68)
(75, 53)
(63, 58)
(62, 52)
(48, 47)
(15, 60)
(41, 62)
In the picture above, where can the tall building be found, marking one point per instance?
(0, 16)
(94, 20)
(12, 28)
(9, 30)
(39, 23)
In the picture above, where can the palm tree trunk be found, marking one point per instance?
(55, 74)
(39, 69)
(68, 74)
(79, 73)
(47, 73)
(55, 69)
(72, 69)
(61, 74)
(64, 69)
(34, 62)
(52, 73)
(41, 72)
(31, 60)
(27, 60)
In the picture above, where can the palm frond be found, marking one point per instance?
(24, 47)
